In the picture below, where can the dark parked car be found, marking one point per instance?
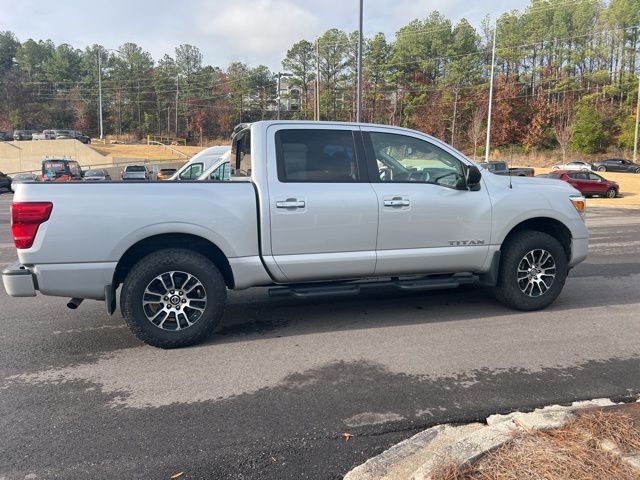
(20, 135)
(502, 168)
(588, 183)
(6, 136)
(5, 182)
(616, 165)
(97, 175)
(71, 134)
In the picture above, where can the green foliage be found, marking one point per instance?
(434, 76)
(590, 135)
(627, 132)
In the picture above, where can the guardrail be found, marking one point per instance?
(155, 139)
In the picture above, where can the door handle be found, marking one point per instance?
(397, 202)
(290, 203)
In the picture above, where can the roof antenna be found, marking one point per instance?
(510, 182)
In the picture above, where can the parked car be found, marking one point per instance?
(220, 171)
(6, 136)
(5, 182)
(45, 135)
(588, 183)
(97, 175)
(60, 170)
(71, 134)
(577, 165)
(201, 162)
(313, 209)
(616, 165)
(502, 168)
(20, 135)
(134, 172)
(166, 173)
(25, 177)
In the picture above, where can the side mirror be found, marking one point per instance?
(473, 178)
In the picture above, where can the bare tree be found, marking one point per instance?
(564, 127)
(475, 128)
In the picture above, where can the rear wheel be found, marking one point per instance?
(173, 298)
(602, 169)
(611, 193)
(533, 270)
(637, 170)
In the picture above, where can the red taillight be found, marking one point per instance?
(26, 217)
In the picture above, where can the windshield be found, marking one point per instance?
(94, 173)
(135, 168)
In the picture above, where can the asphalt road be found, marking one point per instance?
(271, 394)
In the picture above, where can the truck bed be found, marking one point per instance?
(92, 225)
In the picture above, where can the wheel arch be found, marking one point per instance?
(161, 241)
(548, 225)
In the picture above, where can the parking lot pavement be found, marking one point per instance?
(271, 394)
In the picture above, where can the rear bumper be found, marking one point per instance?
(74, 280)
(18, 281)
(579, 250)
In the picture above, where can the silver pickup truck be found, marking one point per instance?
(312, 209)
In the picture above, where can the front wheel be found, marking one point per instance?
(533, 270)
(611, 193)
(602, 169)
(173, 298)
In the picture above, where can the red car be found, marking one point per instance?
(588, 183)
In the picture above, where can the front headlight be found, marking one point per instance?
(580, 204)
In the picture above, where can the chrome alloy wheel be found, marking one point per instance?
(174, 300)
(536, 273)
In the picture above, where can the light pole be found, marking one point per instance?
(100, 83)
(635, 138)
(280, 75)
(359, 94)
(493, 62)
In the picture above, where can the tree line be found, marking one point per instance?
(566, 75)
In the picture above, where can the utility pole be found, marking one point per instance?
(177, 92)
(278, 95)
(317, 105)
(100, 91)
(635, 138)
(493, 62)
(359, 94)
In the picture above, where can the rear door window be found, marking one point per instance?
(313, 155)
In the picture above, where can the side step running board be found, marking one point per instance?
(354, 288)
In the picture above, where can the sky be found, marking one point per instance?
(251, 31)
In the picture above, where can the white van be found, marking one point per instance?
(219, 171)
(202, 161)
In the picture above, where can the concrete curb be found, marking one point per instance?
(416, 457)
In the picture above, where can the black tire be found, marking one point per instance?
(611, 193)
(508, 291)
(156, 264)
(602, 169)
(637, 170)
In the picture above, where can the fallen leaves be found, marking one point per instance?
(177, 475)
(346, 436)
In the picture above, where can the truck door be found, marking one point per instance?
(323, 211)
(426, 224)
